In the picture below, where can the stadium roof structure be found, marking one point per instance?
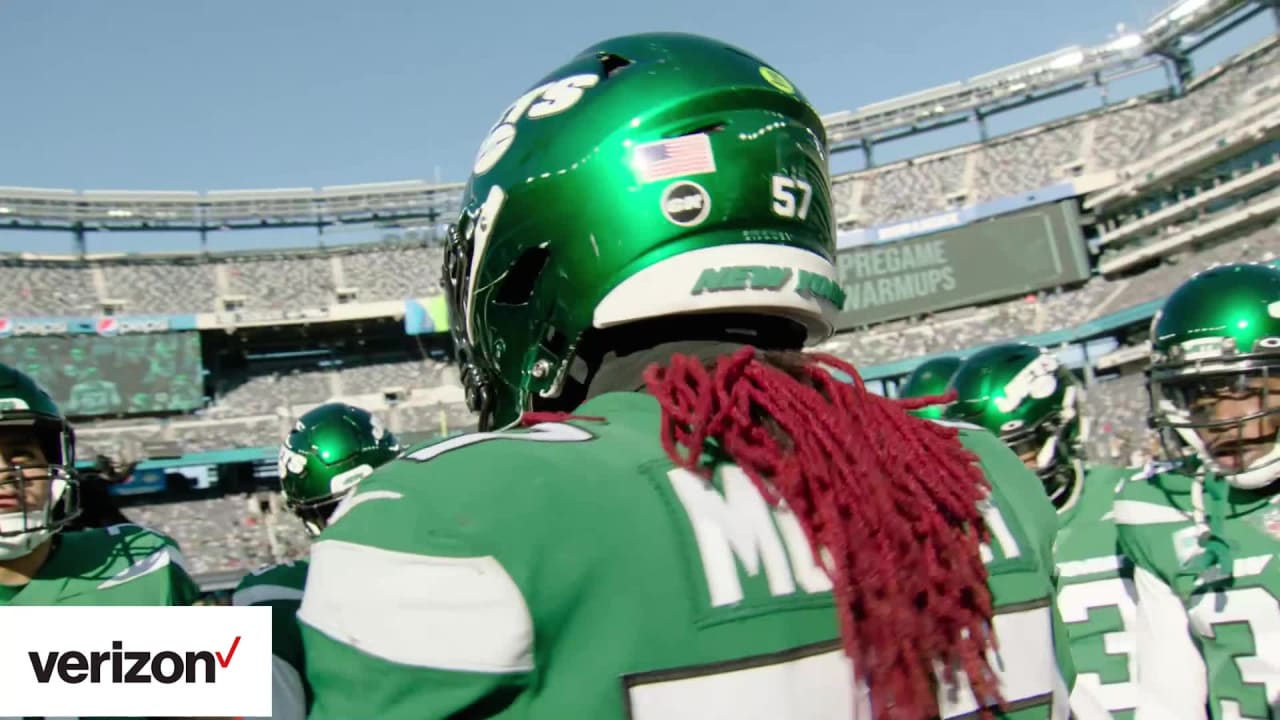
(43, 209)
(1182, 27)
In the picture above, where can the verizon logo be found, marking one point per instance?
(135, 661)
(118, 665)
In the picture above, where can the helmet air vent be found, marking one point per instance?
(517, 287)
(612, 64)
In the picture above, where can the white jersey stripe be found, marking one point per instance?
(1106, 563)
(1137, 512)
(156, 561)
(446, 613)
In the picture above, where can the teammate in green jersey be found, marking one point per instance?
(40, 563)
(1033, 403)
(330, 450)
(751, 538)
(1203, 528)
(930, 378)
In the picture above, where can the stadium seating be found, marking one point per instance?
(1027, 162)
(227, 533)
(159, 286)
(46, 287)
(280, 281)
(169, 285)
(392, 272)
(1107, 139)
(1117, 410)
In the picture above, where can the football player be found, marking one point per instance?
(721, 528)
(330, 450)
(930, 379)
(40, 563)
(1203, 527)
(1026, 396)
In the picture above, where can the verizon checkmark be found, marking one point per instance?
(230, 653)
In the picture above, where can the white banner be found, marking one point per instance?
(135, 661)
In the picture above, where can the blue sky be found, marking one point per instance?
(169, 95)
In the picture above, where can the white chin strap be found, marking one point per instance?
(1048, 454)
(16, 540)
(1258, 474)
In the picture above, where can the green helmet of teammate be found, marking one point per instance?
(930, 378)
(651, 181)
(1024, 395)
(331, 449)
(1218, 336)
(39, 499)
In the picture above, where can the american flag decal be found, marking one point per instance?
(677, 157)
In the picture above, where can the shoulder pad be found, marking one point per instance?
(128, 552)
(1152, 470)
(958, 424)
(273, 583)
(127, 537)
(542, 432)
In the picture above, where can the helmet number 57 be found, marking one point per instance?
(791, 197)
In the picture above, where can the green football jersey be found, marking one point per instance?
(1096, 599)
(1203, 638)
(571, 571)
(280, 588)
(119, 565)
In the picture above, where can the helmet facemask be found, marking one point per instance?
(1053, 443)
(314, 511)
(1189, 402)
(38, 497)
(314, 514)
(477, 382)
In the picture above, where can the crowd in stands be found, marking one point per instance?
(1106, 139)
(143, 285)
(1116, 410)
(233, 532)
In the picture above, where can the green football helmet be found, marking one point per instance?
(25, 407)
(651, 188)
(931, 377)
(1217, 338)
(1024, 395)
(331, 449)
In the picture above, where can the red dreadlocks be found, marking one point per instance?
(892, 498)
